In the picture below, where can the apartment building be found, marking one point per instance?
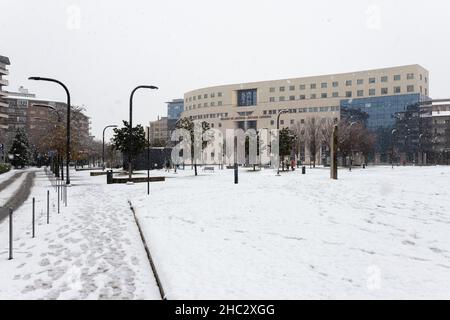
(4, 63)
(159, 131)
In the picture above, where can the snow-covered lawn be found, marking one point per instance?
(375, 233)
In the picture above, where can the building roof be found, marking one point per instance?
(5, 60)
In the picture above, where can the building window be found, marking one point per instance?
(313, 96)
(213, 104)
(292, 98)
(348, 94)
(348, 83)
(313, 86)
(219, 103)
(426, 92)
(397, 77)
(302, 97)
(360, 93)
(282, 89)
(372, 80)
(335, 84)
(410, 76)
(397, 89)
(372, 92)
(384, 79)
(302, 121)
(272, 99)
(205, 96)
(272, 89)
(220, 125)
(421, 77)
(272, 122)
(213, 95)
(324, 96)
(291, 88)
(292, 121)
(199, 97)
(247, 98)
(195, 98)
(282, 122)
(324, 85)
(219, 94)
(302, 87)
(281, 98)
(360, 82)
(384, 91)
(205, 105)
(335, 94)
(426, 80)
(264, 112)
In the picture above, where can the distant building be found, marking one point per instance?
(175, 108)
(4, 62)
(159, 131)
(23, 113)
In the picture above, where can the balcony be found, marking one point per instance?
(4, 82)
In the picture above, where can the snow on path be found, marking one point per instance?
(375, 233)
(92, 250)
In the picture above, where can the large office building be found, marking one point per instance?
(380, 93)
(4, 63)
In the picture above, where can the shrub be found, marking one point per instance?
(4, 167)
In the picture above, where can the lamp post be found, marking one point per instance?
(131, 125)
(278, 128)
(350, 140)
(392, 149)
(103, 150)
(68, 121)
(148, 160)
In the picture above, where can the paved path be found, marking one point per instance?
(10, 180)
(92, 250)
(21, 195)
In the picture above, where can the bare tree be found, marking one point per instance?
(313, 138)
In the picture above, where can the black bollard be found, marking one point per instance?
(33, 219)
(10, 233)
(303, 170)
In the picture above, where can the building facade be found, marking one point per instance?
(4, 63)
(159, 131)
(174, 109)
(380, 93)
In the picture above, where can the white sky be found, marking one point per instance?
(102, 49)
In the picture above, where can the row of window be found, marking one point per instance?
(209, 116)
(348, 83)
(205, 105)
(348, 94)
(204, 96)
(303, 110)
(302, 121)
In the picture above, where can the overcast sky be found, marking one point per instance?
(102, 49)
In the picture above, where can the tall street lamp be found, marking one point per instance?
(278, 128)
(68, 121)
(130, 142)
(103, 150)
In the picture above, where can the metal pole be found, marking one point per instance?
(33, 220)
(58, 196)
(48, 206)
(131, 126)
(10, 233)
(236, 177)
(148, 161)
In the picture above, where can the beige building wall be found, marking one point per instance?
(218, 105)
(306, 97)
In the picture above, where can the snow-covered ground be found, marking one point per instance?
(374, 233)
(92, 250)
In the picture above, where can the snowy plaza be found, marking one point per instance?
(378, 233)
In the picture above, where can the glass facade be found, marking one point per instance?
(381, 110)
(174, 109)
(247, 98)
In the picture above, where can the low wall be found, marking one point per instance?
(139, 180)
